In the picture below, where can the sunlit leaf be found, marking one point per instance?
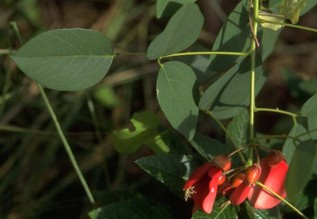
(291, 9)
(66, 59)
(143, 132)
(269, 21)
(182, 30)
(175, 84)
(106, 96)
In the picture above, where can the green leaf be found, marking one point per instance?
(309, 5)
(301, 168)
(312, 127)
(268, 38)
(310, 107)
(137, 208)
(304, 198)
(234, 36)
(66, 59)
(170, 169)
(237, 129)
(106, 96)
(208, 147)
(144, 132)
(309, 86)
(231, 93)
(291, 9)
(175, 95)
(182, 30)
(254, 213)
(168, 7)
(296, 134)
(266, 18)
(219, 211)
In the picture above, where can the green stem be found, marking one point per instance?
(282, 199)
(66, 145)
(207, 53)
(283, 136)
(277, 110)
(288, 25)
(252, 73)
(254, 42)
(5, 51)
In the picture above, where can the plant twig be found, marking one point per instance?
(66, 145)
(282, 199)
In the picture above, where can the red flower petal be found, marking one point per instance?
(240, 194)
(205, 191)
(272, 177)
(197, 175)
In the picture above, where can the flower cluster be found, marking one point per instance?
(211, 179)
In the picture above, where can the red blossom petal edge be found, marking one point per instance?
(197, 175)
(202, 187)
(272, 177)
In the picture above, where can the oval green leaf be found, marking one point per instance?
(301, 168)
(170, 169)
(182, 30)
(230, 94)
(66, 59)
(174, 87)
(167, 7)
(310, 107)
(208, 147)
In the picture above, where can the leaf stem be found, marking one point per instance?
(277, 110)
(288, 25)
(207, 53)
(254, 42)
(66, 145)
(5, 51)
(282, 199)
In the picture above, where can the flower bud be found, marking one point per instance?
(274, 158)
(223, 161)
(252, 173)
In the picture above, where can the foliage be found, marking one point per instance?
(78, 59)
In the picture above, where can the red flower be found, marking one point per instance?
(202, 186)
(252, 174)
(274, 170)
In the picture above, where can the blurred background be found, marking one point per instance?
(36, 177)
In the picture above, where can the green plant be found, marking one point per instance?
(61, 60)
